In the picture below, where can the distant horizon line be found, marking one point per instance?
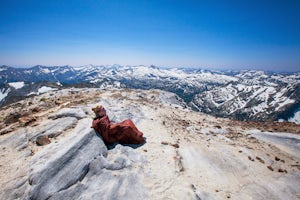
(211, 68)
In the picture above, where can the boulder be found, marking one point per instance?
(25, 121)
(42, 140)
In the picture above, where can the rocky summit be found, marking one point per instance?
(49, 151)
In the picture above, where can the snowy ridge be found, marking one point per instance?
(243, 95)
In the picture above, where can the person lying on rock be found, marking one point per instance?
(124, 132)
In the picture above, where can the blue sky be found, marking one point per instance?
(237, 34)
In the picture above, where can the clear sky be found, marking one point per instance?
(241, 34)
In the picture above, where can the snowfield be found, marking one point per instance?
(16, 85)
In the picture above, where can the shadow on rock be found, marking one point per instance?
(112, 146)
(134, 146)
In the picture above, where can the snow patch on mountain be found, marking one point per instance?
(46, 71)
(17, 85)
(3, 93)
(296, 117)
(59, 84)
(45, 89)
(42, 90)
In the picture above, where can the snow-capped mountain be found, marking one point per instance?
(259, 97)
(34, 74)
(243, 95)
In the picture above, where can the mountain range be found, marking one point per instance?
(242, 95)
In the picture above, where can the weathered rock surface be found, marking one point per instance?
(110, 178)
(62, 166)
(53, 128)
(78, 113)
(287, 142)
(187, 155)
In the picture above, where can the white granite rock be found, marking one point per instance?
(78, 113)
(52, 128)
(63, 165)
(110, 178)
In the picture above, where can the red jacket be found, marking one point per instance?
(124, 132)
